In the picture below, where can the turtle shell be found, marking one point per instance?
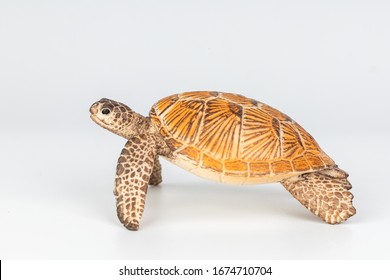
(234, 139)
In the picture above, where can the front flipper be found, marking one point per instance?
(133, 171)
(155, 177)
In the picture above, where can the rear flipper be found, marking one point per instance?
(325, 193)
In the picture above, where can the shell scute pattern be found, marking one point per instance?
(281, 166)
(220, 134)
(259, 168)
(200, 95)
(192, 153)
(236, 165)
(235, 135)
(261, 141)
(238, 99)
(300, 164)
(210, 162)
(292, 143)
(166, 102)
(183, 119)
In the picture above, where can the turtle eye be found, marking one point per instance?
(106, 111)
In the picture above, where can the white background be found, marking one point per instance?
(324, 63)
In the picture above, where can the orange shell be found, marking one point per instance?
(236, 136)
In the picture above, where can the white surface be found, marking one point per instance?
(324, 63)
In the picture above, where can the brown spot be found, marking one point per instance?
(325, 206)
(121, 159)
(214, 93)
(335, 201)
(144, 188)
(119, 169)
(125, 152)
(309, 195)
(148, 161)
(136, 140)
(339, 195)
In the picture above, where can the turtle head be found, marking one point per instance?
(116, 117)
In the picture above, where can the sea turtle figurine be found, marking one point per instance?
(225, 137)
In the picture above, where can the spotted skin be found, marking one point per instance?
(138, 166)
(120, 119)
(135, 165)
(155, 177)
(325, 193)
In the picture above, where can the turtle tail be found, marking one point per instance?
(325, 193)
